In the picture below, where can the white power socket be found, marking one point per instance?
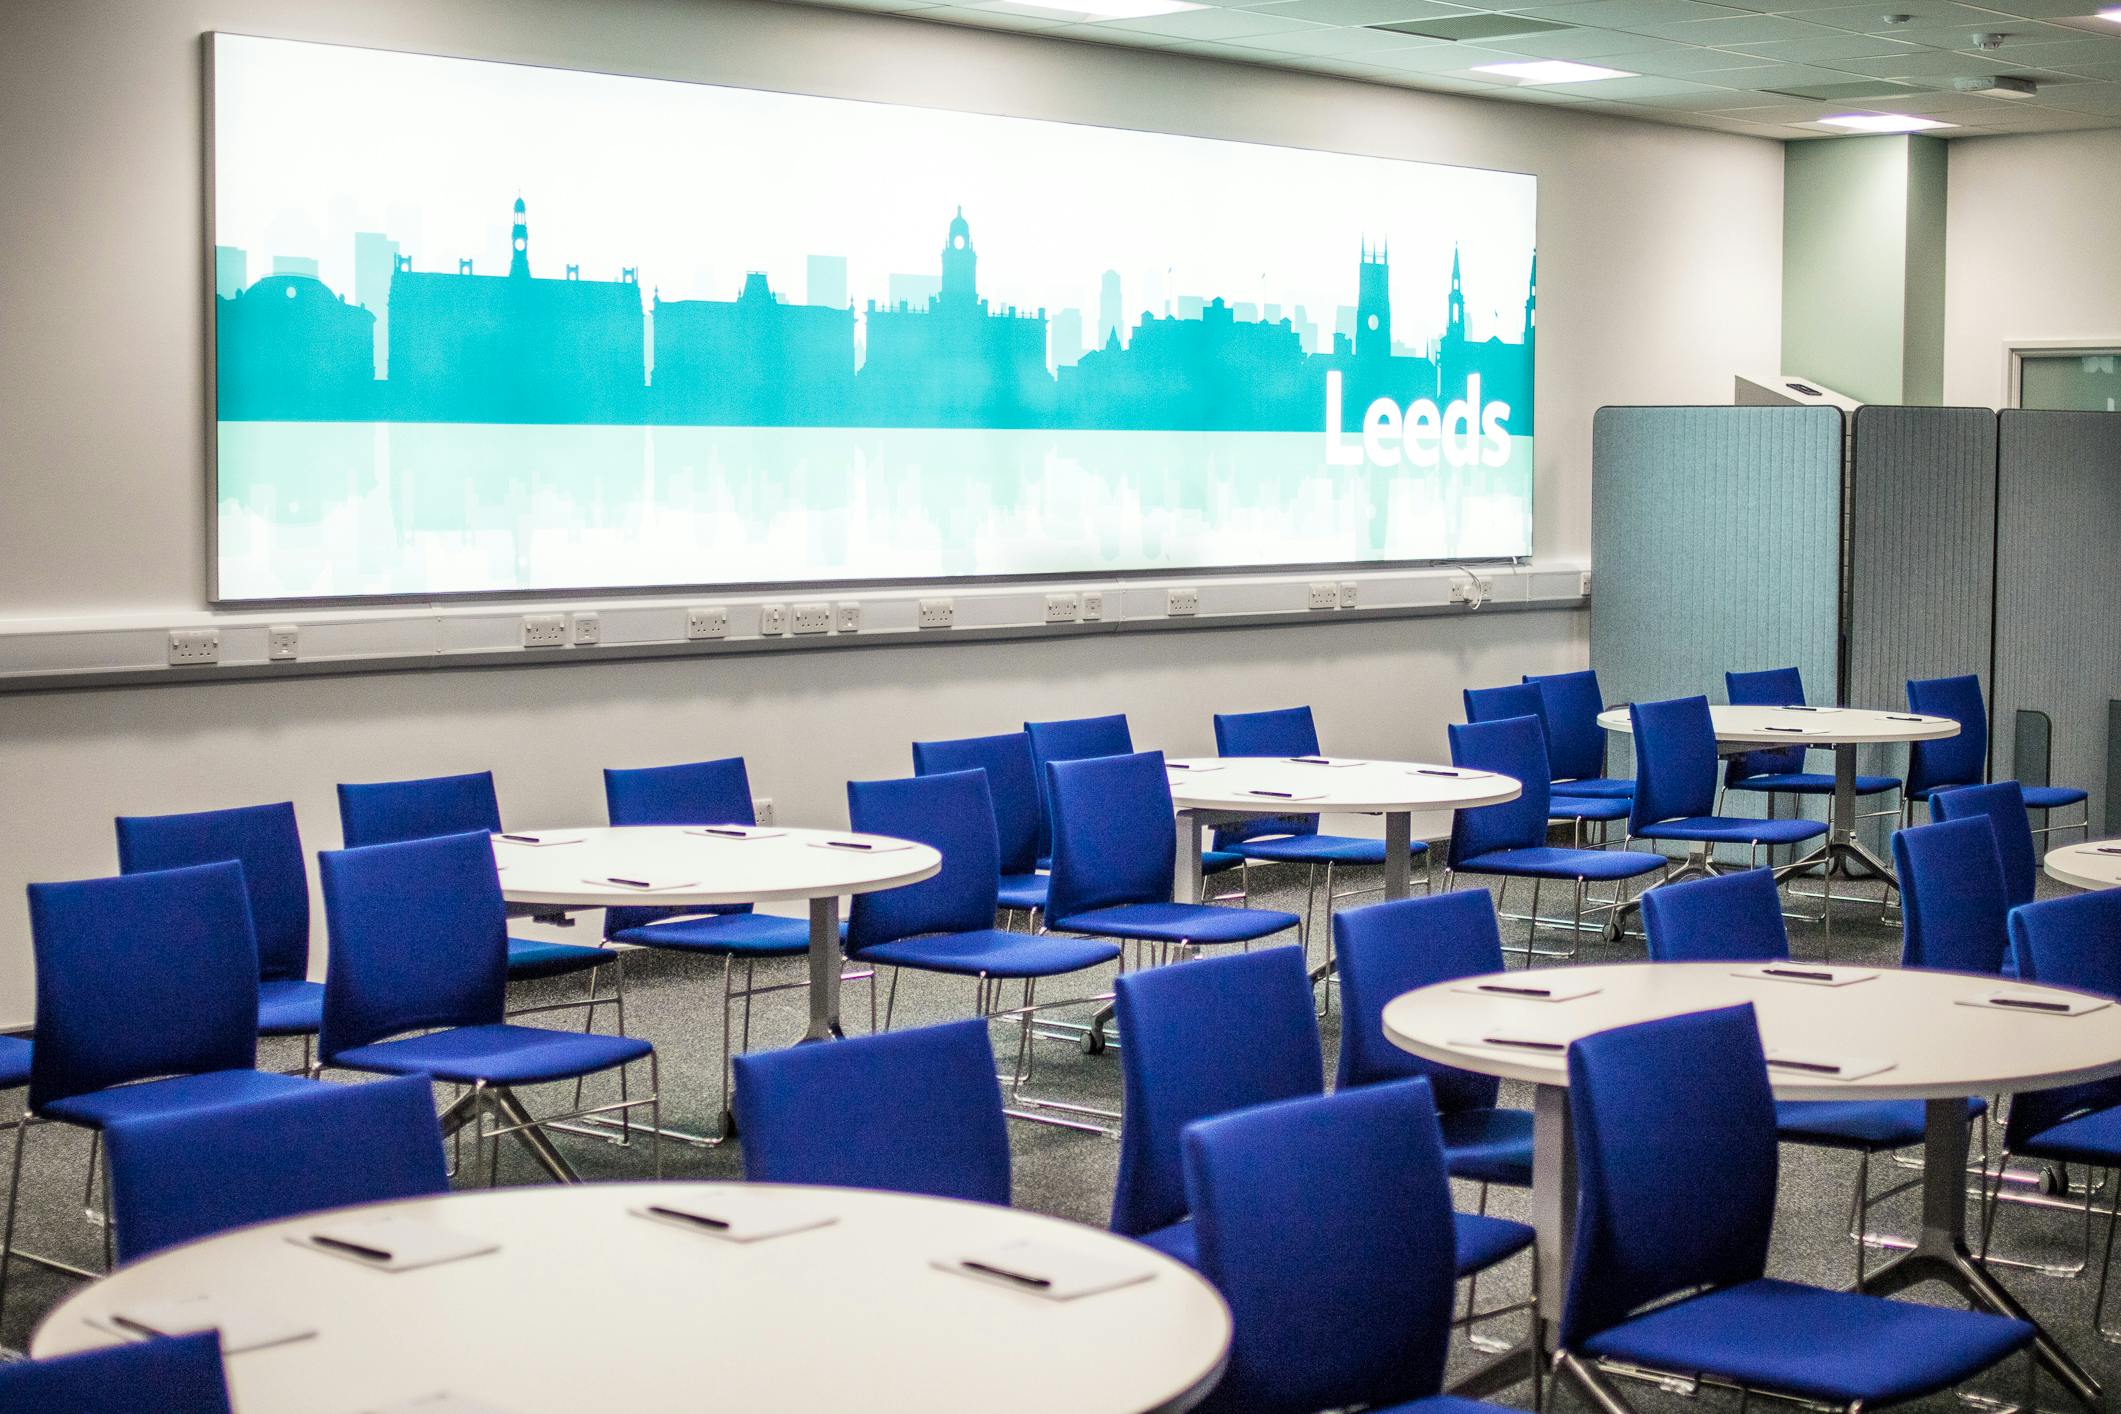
(762, 810)
(283, 642)
(588, 628)
(1181, 602)
(1063, 608)
(189, 646)
(1093, 605)
(938, 613)
(813, 617)
(544, 630)
(1325, 594)
(1583, 584)
(847, 617)
(1473, 592)
(709, 621)
(773, 620)
(1350, 591)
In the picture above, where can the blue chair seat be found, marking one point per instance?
(1596, 788)
(290, 1008)
(1552, 862)
(1022, 891)
(1872, 1125)
(177, 1095)
(1586, 807)
(1178, 922)
(14, 1062)
(993, 952)
(744, 934)
(1220, 861)
(1321, 849)
(1483, 1241)
(1813, 783)
(1488, 1145)
(499, 1054)
(1828, 1345)
(1178, 1241)
(1733, 829)
(530, 958)
(2093, 1138)
(2052, 797)
(1441, 1404)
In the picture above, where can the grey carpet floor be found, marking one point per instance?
(674, 1002)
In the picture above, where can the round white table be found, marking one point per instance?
(1941, 1052)
(585, 1305)
(1217, 790)
(2095, 864)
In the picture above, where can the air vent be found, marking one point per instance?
(1458, 27)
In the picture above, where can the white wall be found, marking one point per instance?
(2029, 232)
(1660, 277)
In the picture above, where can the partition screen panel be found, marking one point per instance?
(486, 327)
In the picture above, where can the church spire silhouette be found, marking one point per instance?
(519, 243)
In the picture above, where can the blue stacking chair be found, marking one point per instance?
(2070, 942)
(1082, 739)
(179, 1375)
(1953, 914)
(1962, 760)
(265, 840)
(1738, 918)
(1292, 839)
(417, 986)
(2002, 804)
(1012, 783)
(905, 1111)
(1676, 795)
(702, 793)
(1524, 699)
(391, 812)
(945, 923)
(174, 1178)
(147, 1004)
(1674, 1278)
(1339, 1290)
(1779, 771)
(1510, 839)
(1576, 744)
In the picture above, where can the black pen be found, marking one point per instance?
(1432, 771)
(730, 831)
(1821, 1067)
(1527, 1045)
(1782, 729)
(1798, 972)
(340, 1244)
(1793, 707)
(1313, 760)
(1018, 1277)
(1516, 991)
(2028, 1004)
(1277, 794)
(696, 1219)
(628, 883)
(522, 839)
(1896, 717)
(849, 844)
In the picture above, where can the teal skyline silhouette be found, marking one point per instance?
(465, 347)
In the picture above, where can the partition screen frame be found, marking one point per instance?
(661, 589)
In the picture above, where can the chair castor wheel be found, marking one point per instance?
(1093, 1042)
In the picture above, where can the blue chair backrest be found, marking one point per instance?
(1072, 739)
(2073, 941)
(1493, 704)
(2002, 803)
(1515, 747)
(141, 976)
(1286, 731)
(1325, 1223)
(952, 813)
(914, 1111)
(1388, 949)
(386, 812)
(1113, 837)
(177, 1177)
(1575, 741)
(1724, 918)
(265, 841)
(419, 939)
(1204, 1038)
(1012, 781)
(1686, 1094)
(176, 1375)
(1960, 760)
(1953, 914)
(697, 793)
(1770, 687)
(1675, 761)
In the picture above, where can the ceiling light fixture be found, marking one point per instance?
(1998, 86)
(2113, 14)
(1094, 10)
(1534, 72)
(1883, 123)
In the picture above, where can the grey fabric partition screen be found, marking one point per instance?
(2058, 596)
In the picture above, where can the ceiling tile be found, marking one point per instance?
(993, 19)
(2069, 54)
(1685, 63)
(1442, 58)
(1632, 14)
(1930, 64)
(1739, 30)
(2043, 9)
(1927, 14)
(1833, 44)
(1338, 42)
(1105, 34)
(1210, 23)
(1645, 86)
(1361, 12)
(2104, 98)
(1581, 44)
(1795, 75)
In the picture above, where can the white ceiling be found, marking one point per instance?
(1742, 66)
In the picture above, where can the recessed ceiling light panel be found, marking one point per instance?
(2113, 14)
(1092, 10)
(1535, 72)
(1883, 123)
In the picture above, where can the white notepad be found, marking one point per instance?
(641, 883)
(735, 832)
(1806, 974)
(440, 1402)
(391, 1243)
(1514, 1045)
(1449, 772)
(1193, 768)
(243, 1324)
(1811, 1064)
(2041, 1003)
(1287, 796)
(841, 846)
(543, 839)
(1531, 989)
(1046, 1269)
(737, 1215)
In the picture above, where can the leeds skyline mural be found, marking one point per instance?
(869, 342)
